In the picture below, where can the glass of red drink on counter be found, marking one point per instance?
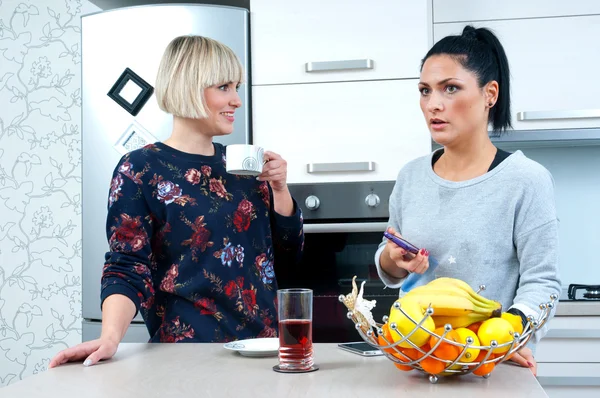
(294, 310)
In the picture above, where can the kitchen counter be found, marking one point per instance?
(209, 370)
(578, 308)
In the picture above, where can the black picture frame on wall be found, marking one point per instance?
(145, 91)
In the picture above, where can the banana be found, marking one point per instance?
(444, 304)
(448, 290)
(454, 298)
(444, 281)
(459, 321)
(464, 286)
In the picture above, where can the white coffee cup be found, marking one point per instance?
(243, 159)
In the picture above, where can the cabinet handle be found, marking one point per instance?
(339, 167)
(547, 115)
(327, 66)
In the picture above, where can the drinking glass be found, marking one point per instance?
(294, 310)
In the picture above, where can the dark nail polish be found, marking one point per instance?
(422, 252)
(530, 364)
(426, 253)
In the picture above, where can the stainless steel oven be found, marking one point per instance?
(343, 225)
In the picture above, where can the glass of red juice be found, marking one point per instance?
(294, 310)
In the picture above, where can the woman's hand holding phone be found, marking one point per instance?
(402, 258)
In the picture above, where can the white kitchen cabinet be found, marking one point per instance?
(554, 391)
(336, 126)
(553, 64)
(571, 339)
(569, 357)
(478, 10)
(393, 35)
(570, 380)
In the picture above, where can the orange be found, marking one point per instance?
(405, 368)
(388, 336)
(412, 353)
(432, 366)
(508, 357)
(494, 356)
(474, 326)
(445, 350)
(486, 368)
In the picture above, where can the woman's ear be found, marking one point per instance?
(491, 91)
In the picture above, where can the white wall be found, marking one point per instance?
(40, 182)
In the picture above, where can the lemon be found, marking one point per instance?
(404, 325)
(471, 353)
(497, 329)
(515, 321)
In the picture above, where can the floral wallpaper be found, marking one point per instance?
(40, 182)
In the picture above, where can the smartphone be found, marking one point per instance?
(412, 278)
(361, 348)
(409, 247)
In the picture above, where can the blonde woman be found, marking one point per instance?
(192, 247)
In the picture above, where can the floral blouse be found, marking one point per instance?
(196, 248)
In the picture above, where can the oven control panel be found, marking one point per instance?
(312, 202)
(372, 200)
(344, 200)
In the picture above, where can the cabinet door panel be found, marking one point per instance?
(553, 63)
(477, 10)
(574, 339)
(393, 34)
(340, 124)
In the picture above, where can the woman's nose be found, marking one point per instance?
(434, 103)
(236, 101)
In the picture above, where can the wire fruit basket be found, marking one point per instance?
(490, 355)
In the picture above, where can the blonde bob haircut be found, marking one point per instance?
(188, 66)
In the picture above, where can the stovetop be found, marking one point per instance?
(577, 292)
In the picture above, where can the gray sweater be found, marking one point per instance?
(499, 229)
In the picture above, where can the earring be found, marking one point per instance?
(491, 104)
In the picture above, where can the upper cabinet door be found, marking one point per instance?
(554, 68)
(337, 40)
(477, 10)
(346, 131)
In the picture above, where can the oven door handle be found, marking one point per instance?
(345, 227)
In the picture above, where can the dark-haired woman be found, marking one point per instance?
(488, 216)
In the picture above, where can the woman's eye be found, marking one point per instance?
(424, 90)
(224, 87)
(237, 88)
(451, 89)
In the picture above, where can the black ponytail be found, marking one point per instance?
(480, 51)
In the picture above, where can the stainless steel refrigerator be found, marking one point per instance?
(121, 51)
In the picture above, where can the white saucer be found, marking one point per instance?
(268, 347)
